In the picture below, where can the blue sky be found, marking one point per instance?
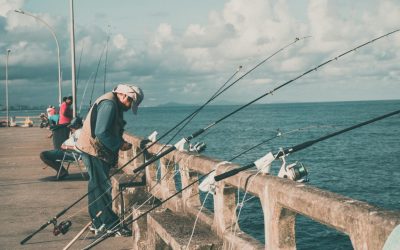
(182, 51)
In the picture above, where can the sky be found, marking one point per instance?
(183, 51)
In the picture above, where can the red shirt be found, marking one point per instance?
(65, 114)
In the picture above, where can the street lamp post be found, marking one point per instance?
(8, 117)
(58, 49)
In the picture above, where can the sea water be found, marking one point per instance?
(362, 164)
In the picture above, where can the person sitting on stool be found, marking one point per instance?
(53, 158)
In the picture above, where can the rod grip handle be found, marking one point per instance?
(226, 174)
(232, 172)
(26, 239)
(195, 134)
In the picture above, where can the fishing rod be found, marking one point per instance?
(54, 219)
(180, 144)
(79, 65)
(284, 152)
(191, 116)
(95, 76)
(84, 92)
(221, 90)
(105, 61)
(262, 164)
(108, 234)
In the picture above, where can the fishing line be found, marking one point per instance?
(103, 237)
(240, 205)
(216, 94)
(84, 92)
(279, 134)
(105, 61)
(200, 131)
(282, 152)
(301, 146)
(141, 152)
(195, 221)
(221, 90)
(79, 65)
(54, 219)
(95, 76)
(175, 171)
(191, 117)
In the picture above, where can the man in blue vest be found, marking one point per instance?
(100, 141)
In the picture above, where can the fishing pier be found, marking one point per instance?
(30, 198)
(367, 226)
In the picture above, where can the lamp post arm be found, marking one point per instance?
(58, 48)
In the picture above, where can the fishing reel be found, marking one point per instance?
(198, 147)
(62, 228)
(295, 171)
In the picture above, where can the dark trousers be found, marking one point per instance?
(53, 159)
(99, 192)
(60, 134)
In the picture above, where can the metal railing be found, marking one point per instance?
(367, 226)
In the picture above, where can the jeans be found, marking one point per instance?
(99, 192)
(53, 159)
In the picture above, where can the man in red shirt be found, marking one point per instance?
(66, 111)
(61, 131)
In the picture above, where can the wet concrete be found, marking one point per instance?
(30, 195)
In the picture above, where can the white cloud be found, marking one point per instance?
(162, 35)
(9, 5)
(120, 41)
(262, 81)
(183, 57)
(190, 88)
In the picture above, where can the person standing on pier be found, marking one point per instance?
(100, 141)
(60, 131)
(66, 111)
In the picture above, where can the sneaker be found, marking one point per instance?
(97, 231)
(120, 232)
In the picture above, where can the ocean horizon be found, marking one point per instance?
(361, 164)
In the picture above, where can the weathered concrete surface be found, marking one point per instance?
(168, 230)
(29, 195)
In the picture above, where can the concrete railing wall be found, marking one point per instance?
(367, 226)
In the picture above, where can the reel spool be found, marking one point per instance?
(62, 228)
(295, 172)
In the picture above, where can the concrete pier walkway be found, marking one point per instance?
(30, 195)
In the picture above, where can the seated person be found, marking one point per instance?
(54, 157)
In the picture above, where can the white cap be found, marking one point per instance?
(133, 92)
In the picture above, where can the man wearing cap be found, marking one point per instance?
(100, 141)
(54, 157)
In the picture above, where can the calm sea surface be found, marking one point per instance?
(363, 164)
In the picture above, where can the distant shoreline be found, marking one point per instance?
(175, 104)
(42, 109)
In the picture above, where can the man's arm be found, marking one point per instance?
(105, 118)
